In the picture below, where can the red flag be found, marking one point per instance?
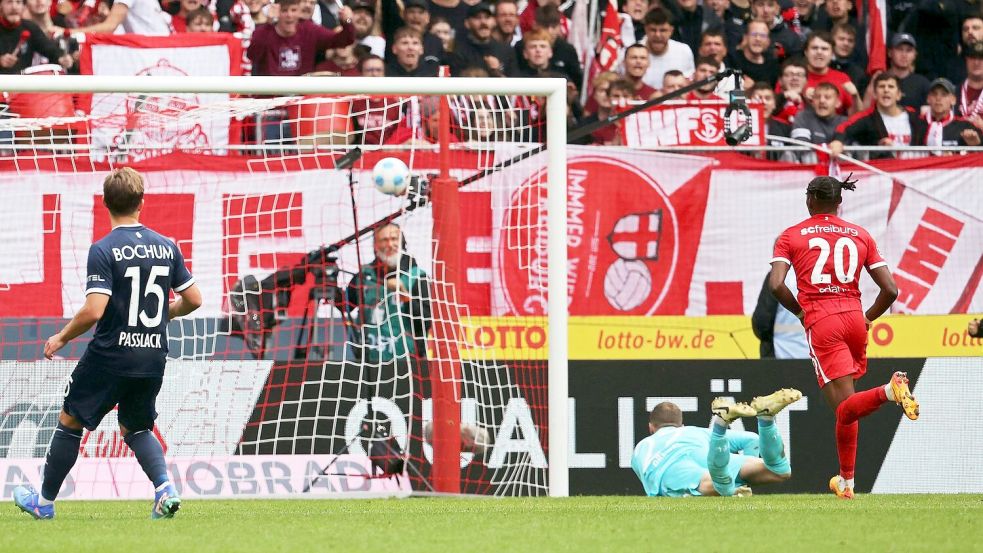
(609, 47)
(876, 36)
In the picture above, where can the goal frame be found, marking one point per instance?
(553, 89)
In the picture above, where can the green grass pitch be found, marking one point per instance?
(770, 524)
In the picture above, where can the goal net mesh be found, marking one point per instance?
(312, 366)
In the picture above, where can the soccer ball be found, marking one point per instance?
(391, 176)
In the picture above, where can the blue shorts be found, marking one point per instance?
(683, 477)
(93, 392)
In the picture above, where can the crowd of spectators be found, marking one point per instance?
(805, 61)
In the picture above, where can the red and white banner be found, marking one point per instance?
(665, 234)
(685, 124)
(876, 35)
(649, 233)
(609, 46)
(227, 221)
(130, 121)
(632, 235)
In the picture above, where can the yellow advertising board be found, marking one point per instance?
(717, 337)
(923, 336)
(713, 337)
(512, 338)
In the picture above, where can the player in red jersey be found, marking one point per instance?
(827, 254)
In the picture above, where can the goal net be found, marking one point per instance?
(350, 341)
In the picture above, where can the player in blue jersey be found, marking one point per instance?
(679, 461)
(131, 273)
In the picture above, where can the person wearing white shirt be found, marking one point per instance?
(664, 53)
(141, 17)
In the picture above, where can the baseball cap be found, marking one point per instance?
(367, 5)
(903, 38)
(422, 4)
(974, 50)
(478, 9)
(944, 83)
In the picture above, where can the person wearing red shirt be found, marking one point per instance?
(378, 118)
(827, 254)
(341, 61)
(179, 20)
(199, 20)
(819, 55)
(706, 67)
(635, 64)
(527, 19)
(600, 109)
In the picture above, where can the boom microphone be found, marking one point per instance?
(738, 135)
(742, 133)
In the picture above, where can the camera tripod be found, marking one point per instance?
(386, 458)
(324, 292)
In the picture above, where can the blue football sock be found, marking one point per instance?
(772, 448)
(62, 453)
(718, 459)
(151, 456)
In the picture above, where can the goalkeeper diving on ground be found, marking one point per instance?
(680, 461)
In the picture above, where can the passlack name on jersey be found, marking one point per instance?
(139, 340)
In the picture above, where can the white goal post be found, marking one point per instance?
(554, 90)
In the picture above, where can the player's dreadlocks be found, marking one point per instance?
(828, 189)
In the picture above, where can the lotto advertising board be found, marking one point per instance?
(611, 401)
(709, 337)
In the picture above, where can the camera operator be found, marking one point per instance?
(391, 296)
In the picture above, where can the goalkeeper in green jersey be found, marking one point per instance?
(679, 461)
(389, 301)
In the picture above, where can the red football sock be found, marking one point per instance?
(860, 404)
(846, 447)
(849, 412)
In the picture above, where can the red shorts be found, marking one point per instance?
(838, 346)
